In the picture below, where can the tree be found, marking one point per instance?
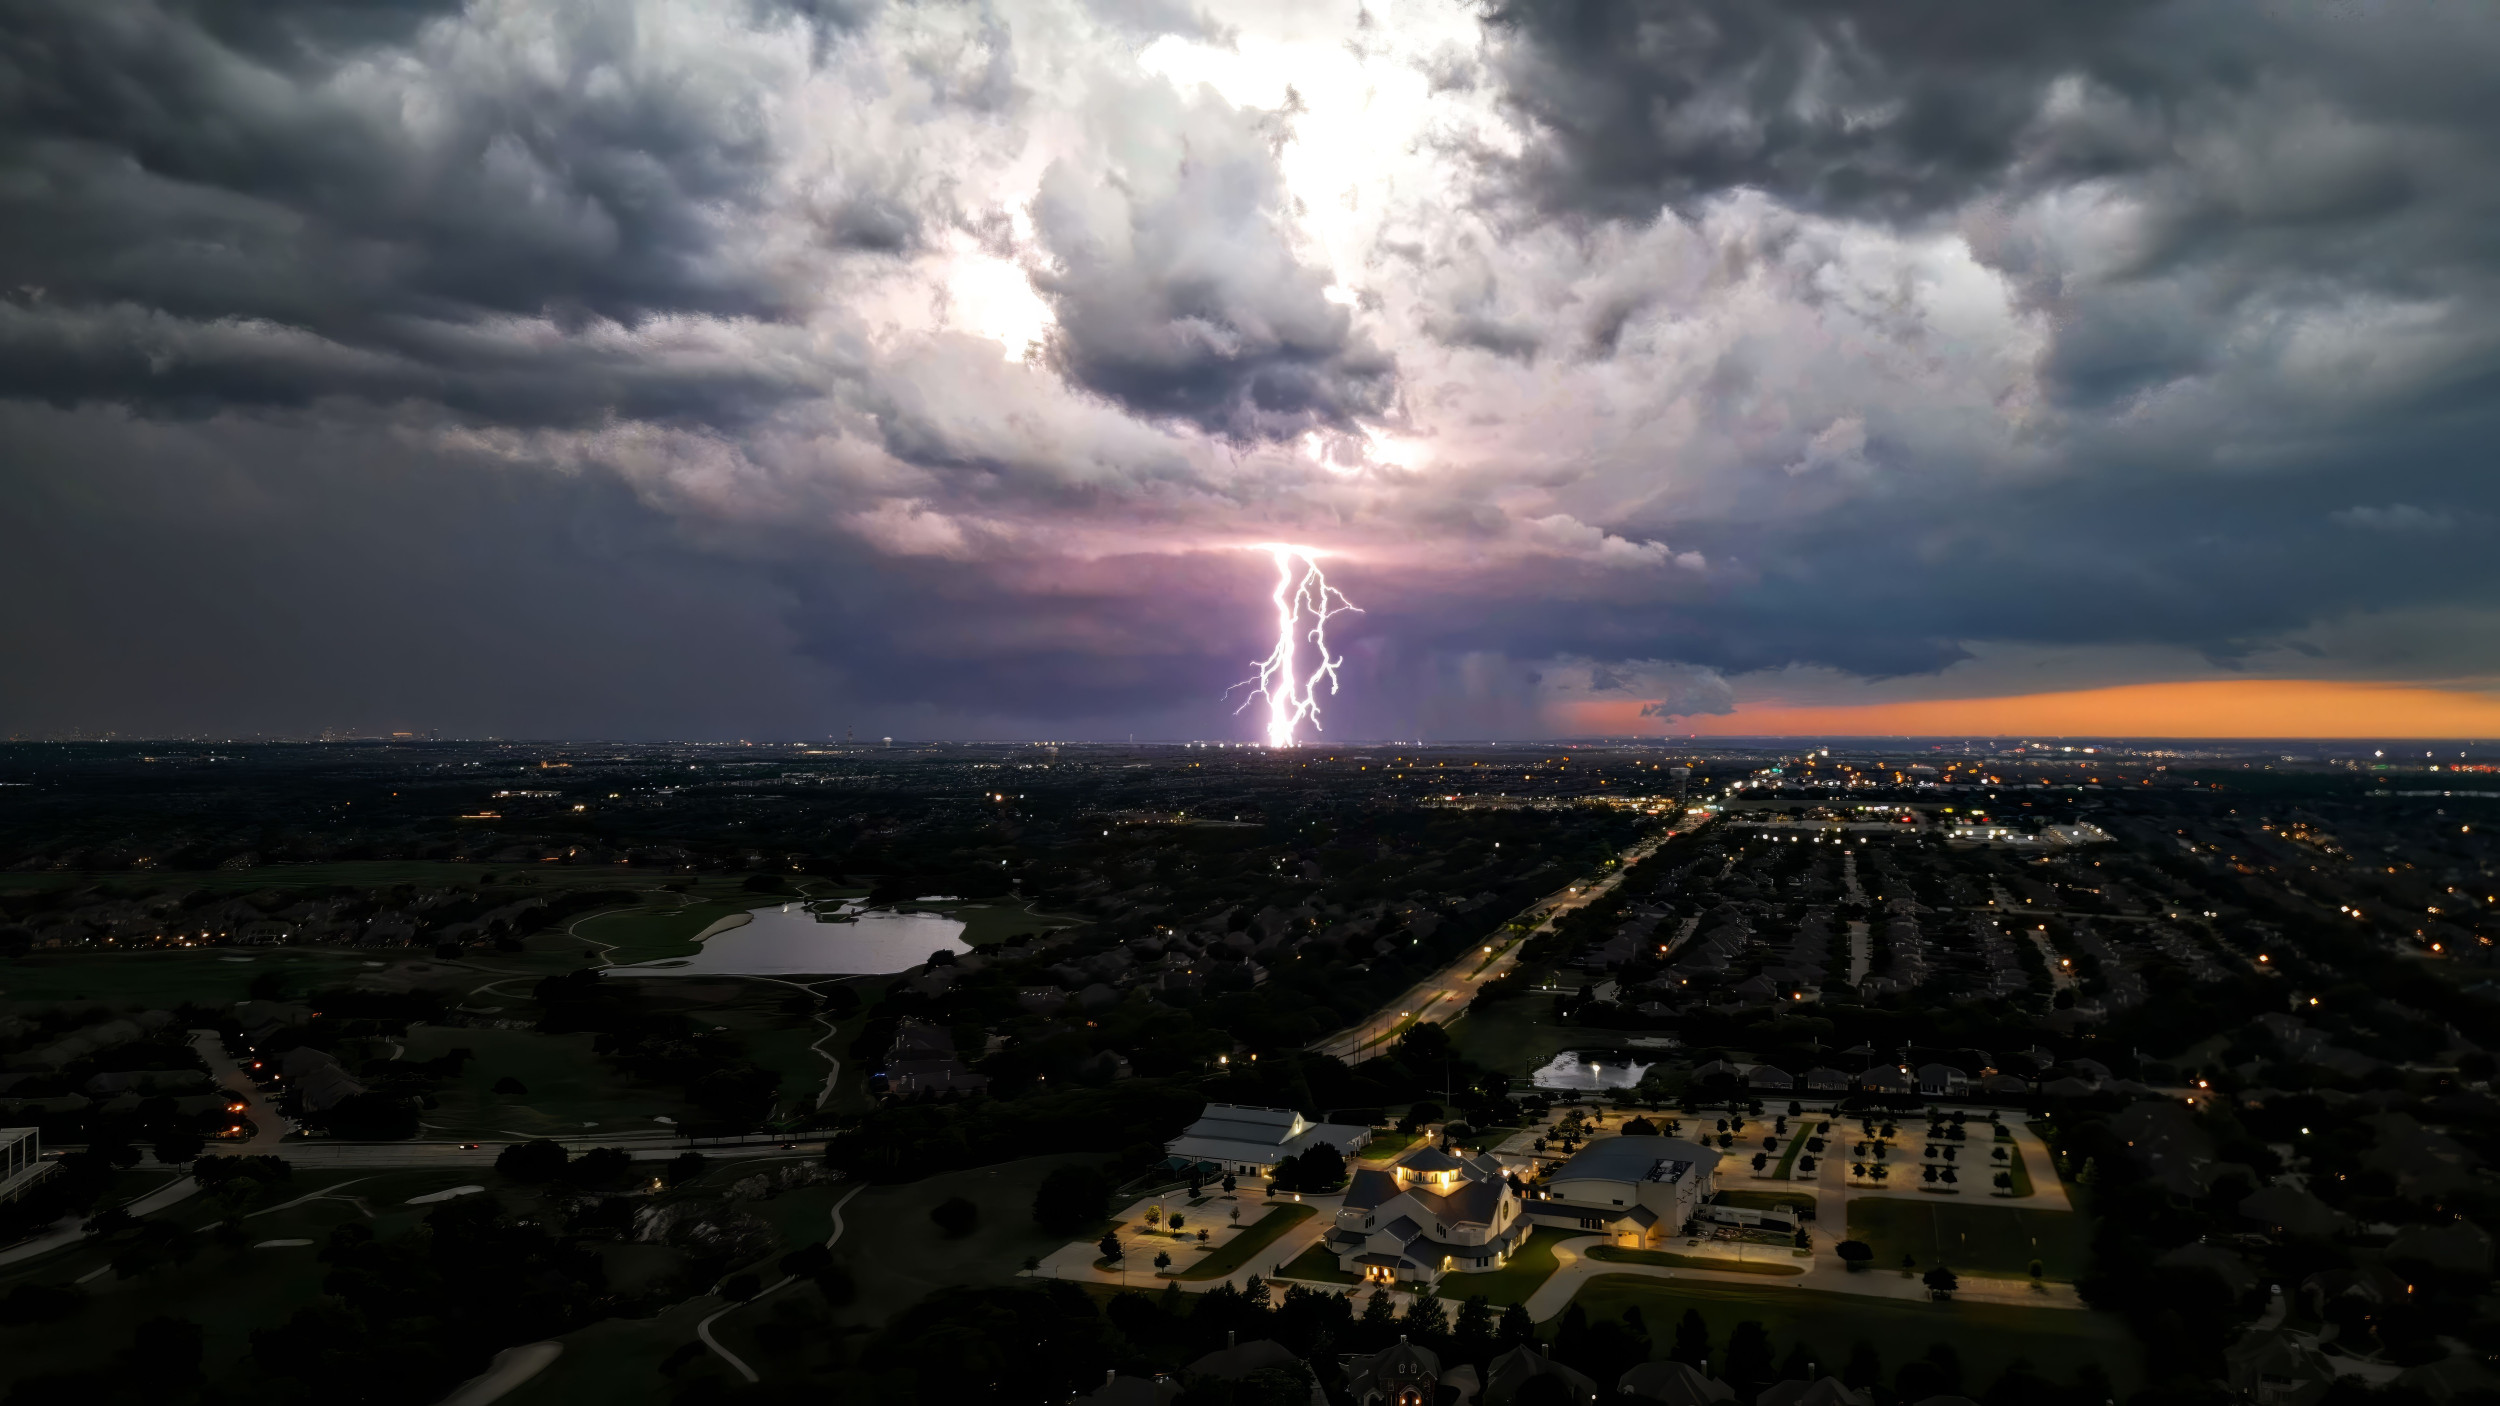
(2005, 1181)
(1856, 1254)
(1939, 1373)
(1865, 1368)
(1177, 1218)
(684, 1167)
(534, 1161)
(509, 1087)
(1640, 1127)
(955, 1215)
(1229, 1184)
(1748, 1357)
(1426, 1319)
(1515, 1328)
(1761, 1160)
(1473, 1331)
(1805, 1164)
(1692, 1339)
(1941, 1281)
(1109, 1244)
(1163, 1259)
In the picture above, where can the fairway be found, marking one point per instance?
(1989, 1337)
(572, 1093)
(1971, 1238)
(898, 1255)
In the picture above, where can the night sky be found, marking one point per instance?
(754, 369)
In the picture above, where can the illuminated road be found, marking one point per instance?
(1447, 993)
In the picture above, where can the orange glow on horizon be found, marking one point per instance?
(2199, 708)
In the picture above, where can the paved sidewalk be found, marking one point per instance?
(1137, 1271)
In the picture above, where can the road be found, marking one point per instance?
(270, 1125)
(1447, 993)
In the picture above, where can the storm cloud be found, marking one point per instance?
(930, 367)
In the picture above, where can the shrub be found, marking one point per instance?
(1856, 1254)
(955, 1215)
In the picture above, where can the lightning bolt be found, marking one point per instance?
(1304, 604)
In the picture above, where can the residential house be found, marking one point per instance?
(1942, 1081)
(317, 1079)
(1505, 1375)
(1403, 1375)
(1826, 1081)
(1675, 1383)
(1237, 1360)
(2273, 1368)
(1823, 1391)
(2288, 1210)
(1250, 1141)
(1888, 1079)
(1764, 1076)
(1428, 1214)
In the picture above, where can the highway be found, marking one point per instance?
(1446, 994)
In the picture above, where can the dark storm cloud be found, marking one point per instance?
(1178, 290)
(1887, 109)
(273, 203)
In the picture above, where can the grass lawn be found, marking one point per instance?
(1243, 1248)
(1520, 1037)
(898, 1256)
(1530, 1266)
(1972, 1238)
(1988, 1337)
(1616, 1254)
(1384, 1146)
(653, 931)
(2014, 1166)
(1767, 1200)
(1788, 1158)
(1319, 1265)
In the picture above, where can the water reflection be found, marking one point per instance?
(816, 939)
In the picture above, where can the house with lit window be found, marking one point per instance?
(1249, 1141)
(1630, 1189)
(1430, 1213)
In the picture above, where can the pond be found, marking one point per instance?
(1568, 1071)
(819, 939)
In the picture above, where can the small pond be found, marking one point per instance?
(816, 939)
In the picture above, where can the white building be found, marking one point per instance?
(21, 1160)
(1631, 1188)
(1427, 1215)
(1251, 1141)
